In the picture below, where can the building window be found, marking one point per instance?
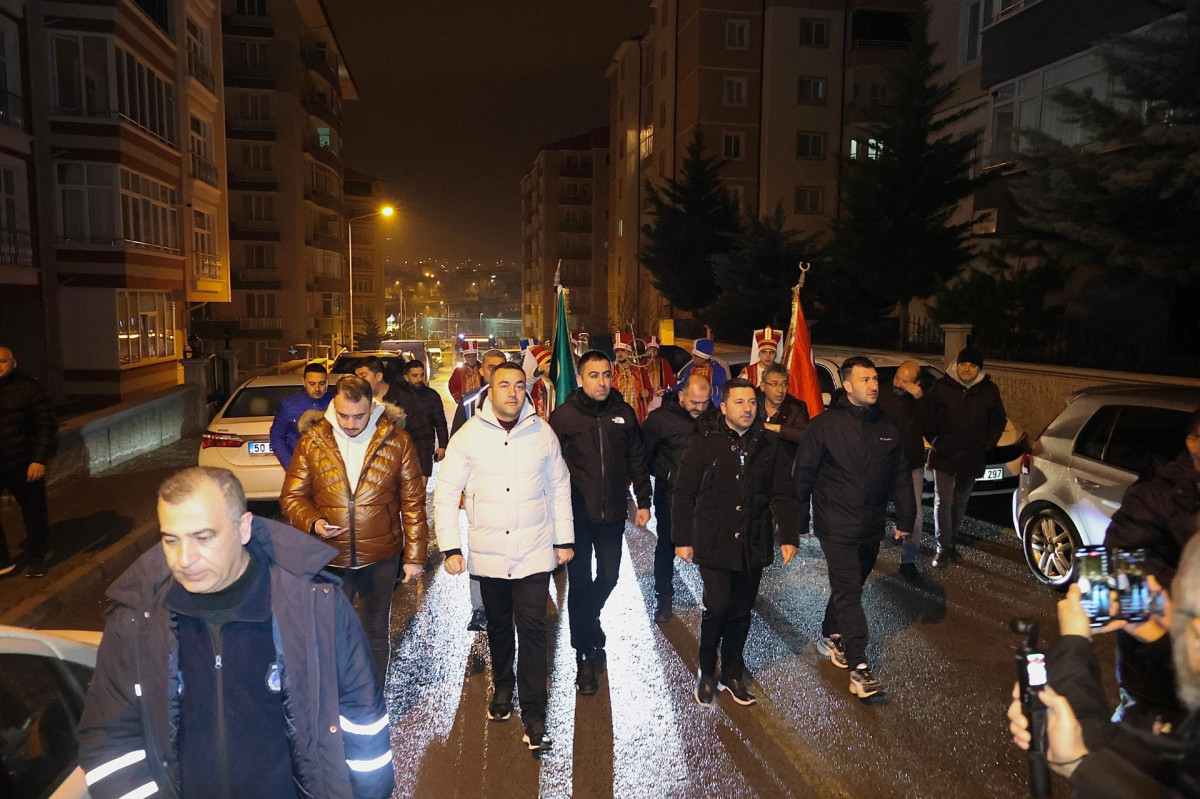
(203, 233)
(259, 256)
(646, 148)
(735, 146)
(145, 99)
(145, 326)
(866, 148)
(260, 305)
(877, 93)
(81, 74)
(254, 106)
(86, 203)
(149, 213)
(737, 194)
(257, 158)
(811, 91)
(200, 136)
(662, 64)
(814, 32)
(331, 304)
(737, 34)
(810, 145)
(365, 285)
(326, 180)
(199, 53)
(735, 91)
(259, 207)
(974, 16)
(809, 199)
(251, 8)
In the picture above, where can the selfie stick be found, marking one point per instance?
(1034, 710)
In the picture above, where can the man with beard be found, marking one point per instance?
(628, 378)
(660, 375)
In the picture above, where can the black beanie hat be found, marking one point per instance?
(971, 355)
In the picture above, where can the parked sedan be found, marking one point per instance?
(239, 436)
(44, 677)
(1073, 480)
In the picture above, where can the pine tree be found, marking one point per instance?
(693, 218)
(371, 336)
(756, 277)
(1133, 201)
(894, 240)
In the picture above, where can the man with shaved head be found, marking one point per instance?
(27, 441)
(902, 404)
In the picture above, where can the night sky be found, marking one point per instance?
(456, 97)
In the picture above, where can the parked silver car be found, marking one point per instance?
(1073, 480)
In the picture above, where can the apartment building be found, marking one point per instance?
(285, 79)
(779, 89)
(365, 195)
(128, 174)
(564, 218)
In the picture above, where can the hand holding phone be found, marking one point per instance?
(1113, 585)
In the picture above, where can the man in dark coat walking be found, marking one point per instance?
(900, 403)
(601, 443)
(666, 433)
(431, 403)
(849, 464)
(27, 442)
(964, 419)
(733, 488)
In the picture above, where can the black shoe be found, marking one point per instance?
(585, 677)
(910, 572)
(501, 707)
(478, 622)
(662, 613)
(7, 566)
(706, 690)
(737, 689)
(535, 735)
(37, 568)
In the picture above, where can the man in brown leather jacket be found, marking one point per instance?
(356, 483)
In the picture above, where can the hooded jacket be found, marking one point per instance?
(1160, 513)
(383, 513)
(603, 449)
(516, 490)
(337, 726)
(728, 489)
(963, 423)
(850, 462)
(27, 423)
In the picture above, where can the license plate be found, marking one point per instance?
(993, 474)
(259, 448)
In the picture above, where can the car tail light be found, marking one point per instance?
(220, 440)
(1026, 458)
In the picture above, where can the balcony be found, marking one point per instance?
(12, 110)
(325, 199)
(325, 283)
(324, 240)
(324, 152)
(260, 323)
(252, 129)
(259, 26)
(254, 230)
(205, 266)
(249, 76)
(575, 255)
(568, 171)
(261, 279)
(16, 248)
(317, 105)
(205, 170)
(574, 227)
(567, 199)
(319, 61)
(198, 68)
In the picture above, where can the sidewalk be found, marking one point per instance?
(98, 526)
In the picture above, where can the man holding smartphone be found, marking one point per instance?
(355, 482)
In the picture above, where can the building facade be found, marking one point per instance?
(564, 220)
(365, 195)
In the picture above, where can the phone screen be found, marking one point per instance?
(1092, 576)
(1133, 592)
(1035, 669)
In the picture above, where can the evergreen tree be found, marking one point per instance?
(371, 336)
(756, 277)
(693, 218)
(894, 240)
(1132, 203)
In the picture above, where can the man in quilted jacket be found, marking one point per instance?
(356, 483)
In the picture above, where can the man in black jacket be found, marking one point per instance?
(732, 480)
(666, 433)
(398, 393)
(782, 414)
(900, 403)
(850, 462)
(603, 449)
(27, 442)
(232, 664)
(431, 403)
(964, 419)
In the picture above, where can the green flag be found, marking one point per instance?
(562, 361)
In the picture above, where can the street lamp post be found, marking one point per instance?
(386, 210)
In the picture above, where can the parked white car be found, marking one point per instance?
(44, 677)
(1075, 477)
(239, 436)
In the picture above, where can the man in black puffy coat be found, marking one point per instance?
(964, 419)
(27, 442)
(850, 462)
(733, 487)
(601, 443)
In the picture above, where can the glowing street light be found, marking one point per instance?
(386, 210)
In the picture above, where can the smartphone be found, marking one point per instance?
(332, 530)
(1136, 601)
(1095, 588)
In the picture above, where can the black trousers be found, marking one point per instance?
(524, 601)
(31, 497)
(728, 599)
(664, 550)
(374, 586)
(849, 566)
(586, 594)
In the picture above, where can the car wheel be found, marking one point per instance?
(1050, 541)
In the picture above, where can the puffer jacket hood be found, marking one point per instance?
(952, 373)
(393, 413)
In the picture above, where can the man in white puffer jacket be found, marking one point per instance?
(508, 463)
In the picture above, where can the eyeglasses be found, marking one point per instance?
(775, 384)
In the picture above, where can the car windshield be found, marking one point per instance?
(255, 401)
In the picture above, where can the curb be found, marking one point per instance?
(100, 569)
